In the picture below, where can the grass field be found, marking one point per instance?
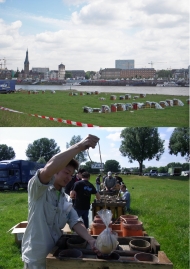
(162, 204)
(62, 105)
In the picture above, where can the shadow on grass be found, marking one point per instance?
(15, 192)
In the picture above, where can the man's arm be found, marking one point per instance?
(60, 160)
(98, 197)
(73, 194)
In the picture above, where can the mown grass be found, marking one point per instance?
(162, 204)
(62, 105)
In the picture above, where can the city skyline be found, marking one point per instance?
(90, 35)
(109, 142)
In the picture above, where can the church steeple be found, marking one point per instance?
(26, 63)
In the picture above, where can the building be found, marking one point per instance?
(125, 64)
(138, 73)
(61, 72)
(40, 69)
(110, 73)
(77, 74)
(26, 64)
(53, 75)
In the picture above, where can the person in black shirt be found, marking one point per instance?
(74, 179)
(81, 192)
(118, 179)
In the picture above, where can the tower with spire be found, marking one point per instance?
(26, 64)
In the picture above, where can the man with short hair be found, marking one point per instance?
(81, 192)
(110, 182)
(75, 178)
(50, 208)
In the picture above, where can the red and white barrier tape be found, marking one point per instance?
(76, 123)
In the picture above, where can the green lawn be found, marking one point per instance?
(62, 105)
(162, 204)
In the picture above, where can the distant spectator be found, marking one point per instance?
(75, 178)
(104, 177)
(119, 180)
(98, 182)
(81, 192)
(125, 195)
(110, 182)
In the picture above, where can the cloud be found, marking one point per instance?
(2, 1)
(98, 32)
(114, 136)
(170, 129)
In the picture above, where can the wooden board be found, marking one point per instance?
(89, 259)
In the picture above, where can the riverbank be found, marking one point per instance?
(63, 107)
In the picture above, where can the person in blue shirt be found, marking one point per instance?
(98, 182)
(125, 195)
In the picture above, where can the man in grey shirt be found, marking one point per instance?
(110, 182)
(50, 208)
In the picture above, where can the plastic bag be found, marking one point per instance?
(106, 242)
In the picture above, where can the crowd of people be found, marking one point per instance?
(57, 196)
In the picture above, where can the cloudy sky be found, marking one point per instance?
(19, 138)
(92, 34)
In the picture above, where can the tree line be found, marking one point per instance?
(137, 144)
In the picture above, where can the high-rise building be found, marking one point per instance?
(26, 64)
(125, 64)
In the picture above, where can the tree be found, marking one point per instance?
(68, 74)
(42, 147)
(87, 167)
(179, 142)
(41, 160)
(164, 74)
(112, 165)
(89, 74)
(141, 143)
(80, 157)
(6, 153)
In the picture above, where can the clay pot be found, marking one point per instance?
(129, 217)
(116, 227)
(98, 227)
(70, 253)
(112, 256)
(139, 245)
(146, 257)
(132, 229)
(76, 242)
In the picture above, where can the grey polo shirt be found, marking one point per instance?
(110, 182)
(46, 217)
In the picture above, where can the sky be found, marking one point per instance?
(19, 139)
(92, 34)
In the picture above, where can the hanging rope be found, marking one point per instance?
(100, 170)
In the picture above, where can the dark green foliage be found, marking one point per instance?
(140, 144)
(112, 165)
(6, 153)
(42, 147)
(80, 157)
(179, 142)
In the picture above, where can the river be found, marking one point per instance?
(176, 91)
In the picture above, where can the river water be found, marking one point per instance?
(176, 91)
